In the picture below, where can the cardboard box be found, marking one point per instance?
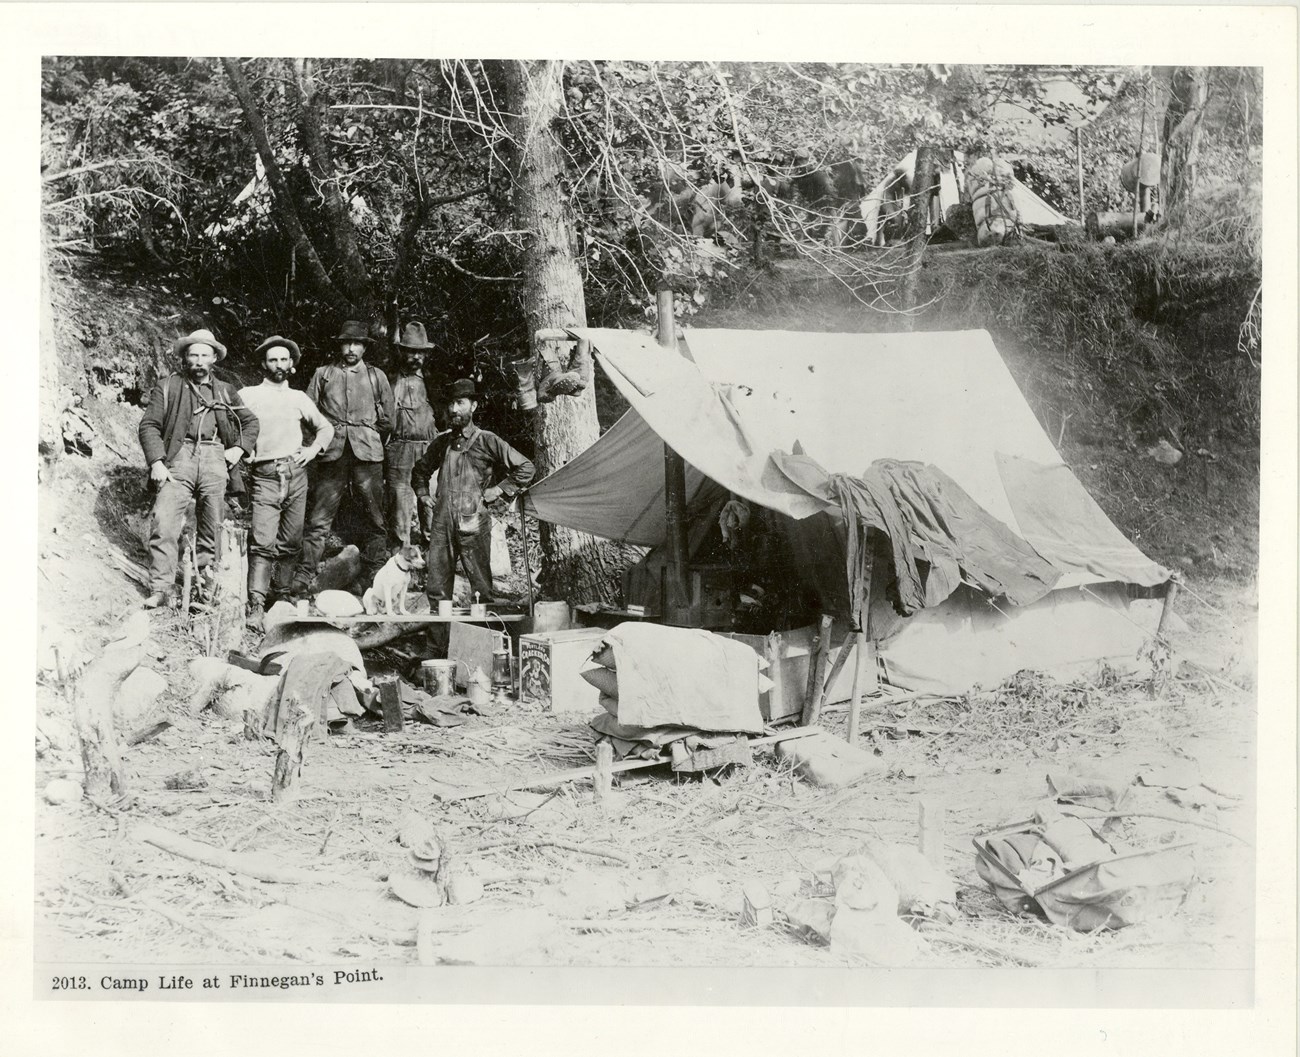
(549, 667)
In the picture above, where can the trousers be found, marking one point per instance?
(279, 496)
(474, 549)
(399, 459)
(326, 481)
(199, 476)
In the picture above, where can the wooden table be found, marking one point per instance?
(409, 618)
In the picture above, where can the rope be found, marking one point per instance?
(1213, 609)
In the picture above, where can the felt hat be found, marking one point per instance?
(414, 337)
(294, 352)
(462, 387)
(199, 337)
(354, 330)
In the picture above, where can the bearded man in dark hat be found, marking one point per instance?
(195, 429)
(358, 402)
(279, 472)
(475, 469)
(413, 429)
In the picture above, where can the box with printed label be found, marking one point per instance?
(550, 664)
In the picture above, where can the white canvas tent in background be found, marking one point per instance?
(943, 398)
(1032, 209)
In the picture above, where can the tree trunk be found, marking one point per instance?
(92, 707)
(1188, 90)
(49, 444)
(924, 183)
(285, 210)
(337, 211)
(232, 587)
(575, 566)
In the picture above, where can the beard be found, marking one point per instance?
(351, 359)
(198, 372)
(459, 419)
(277, 375)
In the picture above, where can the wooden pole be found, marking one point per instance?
(1078, 160)
(1171, 594)
(855, 701)
(603, 779)
(931, 817)
(1137, 186)
(528, 565)
(674, 478)
(812, 706)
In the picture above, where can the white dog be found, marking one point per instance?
(392, 581)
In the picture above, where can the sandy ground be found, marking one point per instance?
(652, 879)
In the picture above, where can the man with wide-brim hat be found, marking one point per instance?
(358, 402)
(278, 474)
(475, 469)
(194, 431)
(413, 428)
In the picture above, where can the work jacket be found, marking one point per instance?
(359, 404)
(171, 407)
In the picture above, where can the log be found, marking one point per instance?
(390, 696)
(1116, 224)
(256, 865)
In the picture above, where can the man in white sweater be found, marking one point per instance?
(278, 472)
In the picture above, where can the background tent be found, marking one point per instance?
(1032, 209)
(944, 398)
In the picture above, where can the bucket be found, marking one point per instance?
(551, 616)
(478, 611)
(444, 607)
(439, 677)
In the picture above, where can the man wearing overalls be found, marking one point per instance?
(279, 474)
(475, 468)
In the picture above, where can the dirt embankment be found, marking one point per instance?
(1118, 351)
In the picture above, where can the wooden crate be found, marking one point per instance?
(549, 667)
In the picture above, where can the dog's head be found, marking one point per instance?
(409, 558)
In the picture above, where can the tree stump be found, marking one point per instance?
(92, 706)
(231, 588)
(292, 728)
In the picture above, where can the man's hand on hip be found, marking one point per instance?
(303, 456)
(491, 495)
(233, 455)
(159, 474)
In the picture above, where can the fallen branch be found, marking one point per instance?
(256, 866)
(1163, 818)
(547, 842)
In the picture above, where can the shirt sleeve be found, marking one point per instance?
(427, 463)
(385, 416)
(322, 431)
(249, 427)
(518, 469)
(151, 427)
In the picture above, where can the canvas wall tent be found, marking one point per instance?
(1032, 209)
(945, 399)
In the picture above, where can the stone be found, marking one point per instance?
(465, 887)
(515, 937)
(136, 697)
(415, 888)
(811, 919)
(827, 761)
(62, 791)
(756, 911)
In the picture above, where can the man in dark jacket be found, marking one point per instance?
(475, 468)
(358, 402)
(413, 429)
(194, 430)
